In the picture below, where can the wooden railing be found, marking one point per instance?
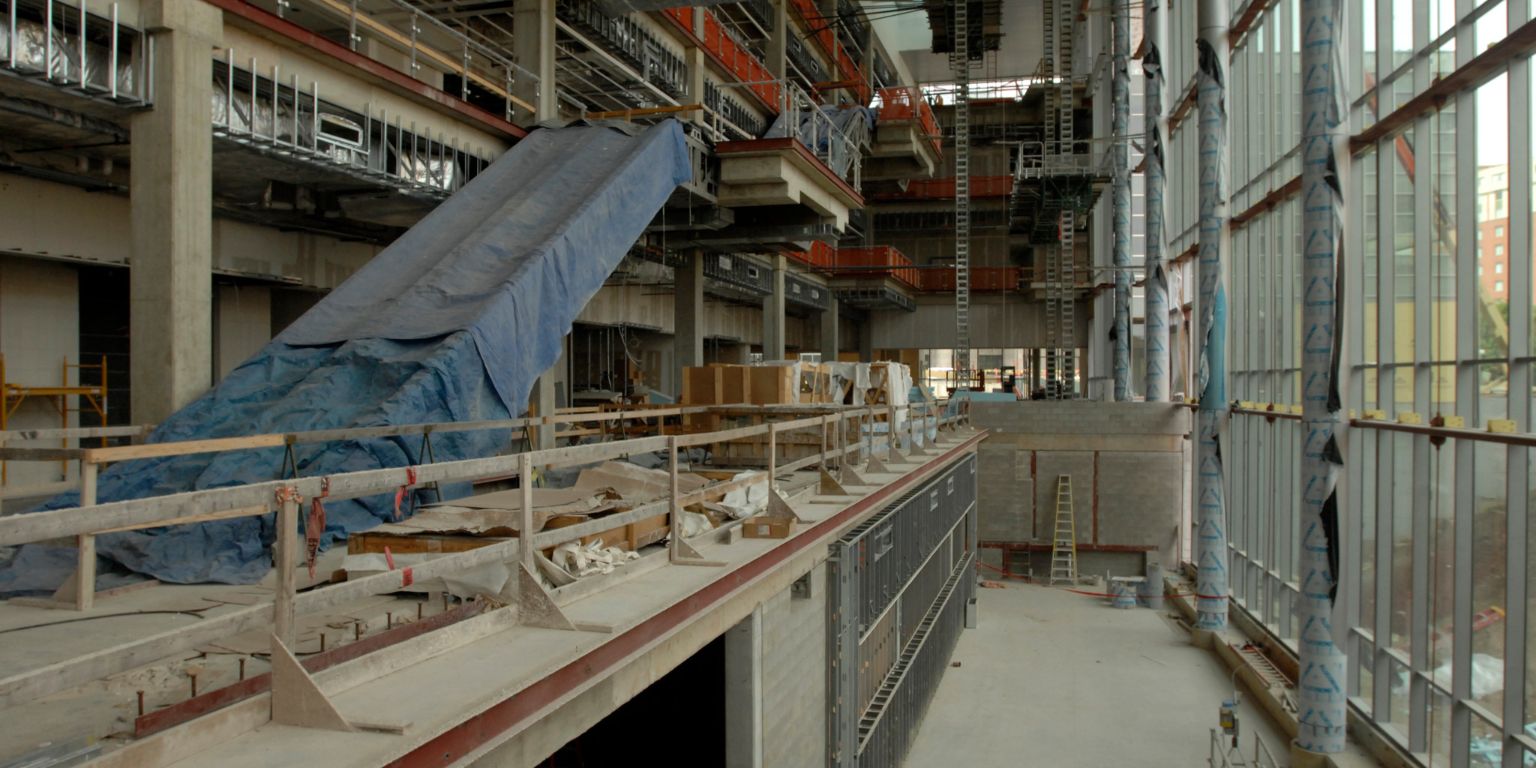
(845, 430)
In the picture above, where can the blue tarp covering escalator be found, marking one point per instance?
(452, 322)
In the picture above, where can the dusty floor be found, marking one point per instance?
(1051, 678)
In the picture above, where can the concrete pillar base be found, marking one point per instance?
(1301, 758)
(1203, 638)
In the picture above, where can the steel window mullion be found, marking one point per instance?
(1423, 480)
(1386, 390)
(1466, 400)
(1517, 479)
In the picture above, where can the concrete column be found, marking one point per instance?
(867, 339)
(1210, 84)
(533, 35)
(1120, 194)
(778, 34)
(1159, 366)
(694, 57)
(744, 692)
(773, 312)
(171, 196)
(544, 400)
(541, 402)
(829, 332)
(688, 315)
(1324, 154)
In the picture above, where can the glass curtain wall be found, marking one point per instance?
(1437, 588)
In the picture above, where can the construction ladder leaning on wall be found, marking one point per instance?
(1064, 541)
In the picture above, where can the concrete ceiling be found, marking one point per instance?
(907, 36)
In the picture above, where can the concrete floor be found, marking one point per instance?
(1052, 678)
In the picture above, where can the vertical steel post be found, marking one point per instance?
(1210, 499)
(1157, 385)
(1120, 197)
(1321, 689)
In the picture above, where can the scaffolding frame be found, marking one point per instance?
(92, 399)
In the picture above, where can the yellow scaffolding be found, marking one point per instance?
(92, 399)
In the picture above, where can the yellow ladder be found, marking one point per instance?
(1064, 542)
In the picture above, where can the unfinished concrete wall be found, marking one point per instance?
(45, 219)
(39, 330)
(242, 325)
(795, 675)
(1128, 469)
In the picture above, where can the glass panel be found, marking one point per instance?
(1404, 270)
(1487, 744)
(1442, 14)
(1439, 725)
(1489, 517)
(1490, 28)
(1402, 538)
(1397, 699)
(1366, 476)
(1442, 558)
(1530, 585)
(1367, 663)
(1493, 185)
(1367, 30)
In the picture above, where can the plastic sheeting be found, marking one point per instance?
(811, 128)
(452, 322)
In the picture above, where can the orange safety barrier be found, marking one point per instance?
(724, 49)
(944, 189)
(821, 256)
(907, 103)
(867, 261)
(822, 32)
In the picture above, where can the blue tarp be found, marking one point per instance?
(452, 322)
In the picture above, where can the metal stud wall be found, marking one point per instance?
(899, 586)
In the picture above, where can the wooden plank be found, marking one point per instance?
(228, 514)
(286, 560)
(735, 383)
(417, 543)
(157, 450)
(42, 454)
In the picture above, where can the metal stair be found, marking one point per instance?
(1064, 541)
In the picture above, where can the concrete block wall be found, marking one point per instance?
(1129, 469)
(795, 676)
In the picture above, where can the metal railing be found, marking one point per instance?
(60, 44)
(802, 119)
(843, 435)
(261, 111)
(899, 584)
(477, 58)
(1225, 756)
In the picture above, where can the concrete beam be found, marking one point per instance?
(171, 197)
